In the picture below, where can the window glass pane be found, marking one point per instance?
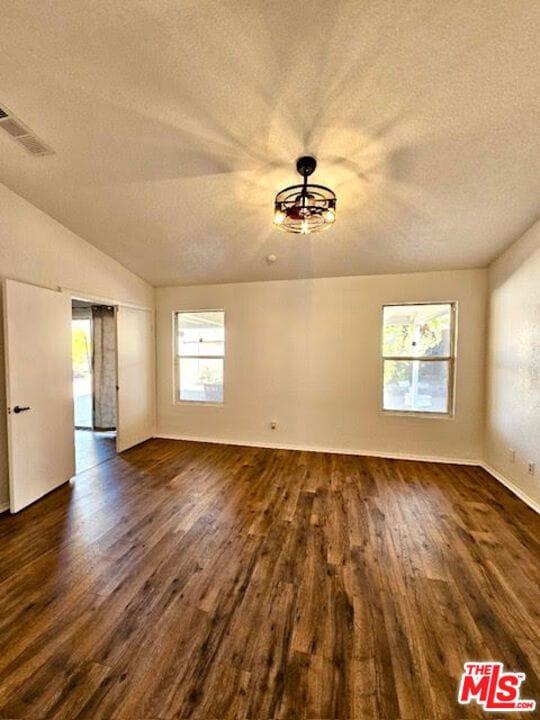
(417, 330)
(416, 385)
(201, 333)
(201, 379)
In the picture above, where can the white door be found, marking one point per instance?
(135, 348)
(37, 325)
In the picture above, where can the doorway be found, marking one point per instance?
(93, 344)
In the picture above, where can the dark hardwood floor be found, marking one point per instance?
(93, 448)
(187, 580)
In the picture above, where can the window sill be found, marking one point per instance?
(419, 414)
(202, 403)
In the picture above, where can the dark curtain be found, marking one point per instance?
(104, 367)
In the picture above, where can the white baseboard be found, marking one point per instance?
(513, 488)
(314, 448)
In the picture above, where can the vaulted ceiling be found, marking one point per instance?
(175, 123)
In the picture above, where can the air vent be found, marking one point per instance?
(23, 135)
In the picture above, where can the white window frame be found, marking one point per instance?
(450, 359)
(177, 356)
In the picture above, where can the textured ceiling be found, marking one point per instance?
(175, 123)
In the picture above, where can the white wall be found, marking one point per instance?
(306, 353)
(35, 248)
(513, 364)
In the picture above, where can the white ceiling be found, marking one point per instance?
(175, 123)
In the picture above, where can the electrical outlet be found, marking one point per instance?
(273, 424)
(511, 455)
(531, 467)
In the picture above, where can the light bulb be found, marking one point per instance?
(329, 215)
(279, 217)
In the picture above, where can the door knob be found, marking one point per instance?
(18, 409)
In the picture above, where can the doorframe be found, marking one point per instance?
(85, 297)
(75, 294)
(116, 305)
(101, 300)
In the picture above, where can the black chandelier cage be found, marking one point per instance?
(305, 208)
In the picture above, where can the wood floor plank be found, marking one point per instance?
(190, 580)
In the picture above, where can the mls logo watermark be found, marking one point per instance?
(490, 686)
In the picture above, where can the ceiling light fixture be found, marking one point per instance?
(305, 208)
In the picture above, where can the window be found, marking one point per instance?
(199, 354)
(418, 358)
